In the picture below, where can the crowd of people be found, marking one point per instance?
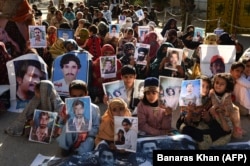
(225, 94)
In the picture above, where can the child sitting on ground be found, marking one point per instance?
(221, 97)
(79, 142)
(153, 119)
(116, 107)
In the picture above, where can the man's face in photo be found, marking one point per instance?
(106, 159)
(108, 65)
(148, 149)
(174, 59)
(70, 71)
(30, 79)
(38, 34)
(217, 67)
(44, 121)
(126, 126)
(65, 36)
(141, 56)
(78, 110)
(190, 88)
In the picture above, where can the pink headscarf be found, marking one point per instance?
(151, 38)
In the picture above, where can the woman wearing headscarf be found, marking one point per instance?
(170, 24)
(51, 35)
(151, 39)
(116, 107)
(57, 48)
(155, 65)
(46, 98)
(82, 37)
(96, 91)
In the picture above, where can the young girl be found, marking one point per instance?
(223, 85)
(154, 119)
(196, 121)
(116, 107)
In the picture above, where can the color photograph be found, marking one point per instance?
(37, 36)
(108, 66)
(79, 110)
(174, 56)
(65, 33)
(69, 67)
(115, 89)
(42, 129)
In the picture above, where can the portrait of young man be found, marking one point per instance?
(70, 66)
(28, 74)
(37, 36)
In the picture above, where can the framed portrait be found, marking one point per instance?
(216, 58)
(114, 30)
(80, 112)
(24, 72)
(190, 92)
(68, 67)
(42, 129)
(174, 56)
(37, 36)
(126, 130)
(115, 89)
(142, 31)
(140, 14)
(108, 66)
(170, 88)
(187, 53)
(141, 53)
(65, 33)
(138, 92)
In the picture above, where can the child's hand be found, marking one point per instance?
(168, 110)
(205, 115)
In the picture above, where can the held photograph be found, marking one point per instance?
(108, 66)
(174, 56)
(115, 89)
(65, 33)
(79, 110)
(37, 36)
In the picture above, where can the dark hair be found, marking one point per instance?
(245, 60)
(43, 114)
(113, 26)
(77, 102)
(128, 69)
(64, 25)
(93, 29)
(148, 141)
(236, 65)
(174, 52)
(21, 67)
(107, 150)
(70, 57)
(114, 92)
(142, 49)
(126, 120)
(228, 78)
(129, 30)
(206, 79)
(170, 89)
(79, 85)
(140, 85)
(36, 28)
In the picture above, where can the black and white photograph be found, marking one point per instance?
(190, 92)
(170, 88)
(138, 92)
(174, 56)
(115, 89)
(126, 130)
(37, 36)
(42, 129)
(24, 73)
(141, 53)
(79, 110)
(108, 66)
(142, 31)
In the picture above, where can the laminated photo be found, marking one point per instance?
(68, 67)
(170, 88)
(190, 92)
(42, 129)
(114, 30)
(24, 73)
(216, 59)
(37, 36)
(138, 92)
(79, 110)
(65, 33)
(140, 14)
(141, 53)
(174, 56)
(115, 89)
(142, 31)
(108, 66)
(126, 130)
